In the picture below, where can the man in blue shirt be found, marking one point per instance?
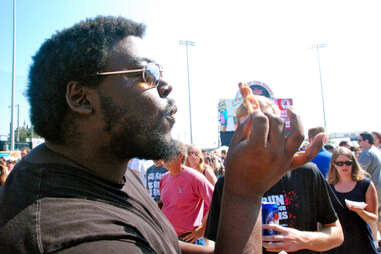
(323, 158)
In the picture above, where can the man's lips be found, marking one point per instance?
(170, 115)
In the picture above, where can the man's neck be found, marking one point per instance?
(367, 147)
(95, 161)
(175, 170)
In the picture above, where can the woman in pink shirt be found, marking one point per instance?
(184, 192)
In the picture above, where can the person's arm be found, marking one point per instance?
(256, 160)
(190, 248)
(369, 213)
(197, 232)
(365, 160)
(291, 240)
(4, 174)
(209, 174)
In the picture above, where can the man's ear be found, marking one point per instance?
(78, 99)
(181, 157)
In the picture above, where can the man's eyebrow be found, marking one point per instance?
(137, 61)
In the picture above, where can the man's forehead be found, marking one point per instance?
(134, 50)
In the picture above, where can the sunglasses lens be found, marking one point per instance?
(341, 163)
(152, 74)
(348, 163)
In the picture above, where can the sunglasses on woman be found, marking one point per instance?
(342, 163)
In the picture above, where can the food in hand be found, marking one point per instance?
(251, 103)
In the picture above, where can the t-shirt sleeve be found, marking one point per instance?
(214, 211)
(109, 246)
(326, 211)
(204, 189)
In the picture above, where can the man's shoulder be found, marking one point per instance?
(307, 169)
(301, 176)
(192, 172)
(165, 176)
(324, 153)
(94, 221)
(154, 169)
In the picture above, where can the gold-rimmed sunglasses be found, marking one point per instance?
(152, 73)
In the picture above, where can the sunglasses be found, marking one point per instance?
(341, 163)
(152, 73)
(193, 153)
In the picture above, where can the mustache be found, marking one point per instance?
(171, 108)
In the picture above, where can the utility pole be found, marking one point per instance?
(317, 47)
(18, 122)
(12, 136)
(187, 44)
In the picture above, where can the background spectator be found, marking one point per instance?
(184, 191)
(323, 158)
(195, 160)
(153, 176)
(348, 181)
(377, 139)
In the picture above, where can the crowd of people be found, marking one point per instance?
(309, 200)
(6, 166)
(80, 194)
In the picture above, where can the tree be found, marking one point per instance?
(23, 133)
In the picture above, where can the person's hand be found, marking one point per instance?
(311, 151)
(260, 154)
(288, 239)
(196, 233)
(355, 208)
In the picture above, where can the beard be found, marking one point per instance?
(136, 137)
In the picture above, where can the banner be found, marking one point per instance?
(10, 155)
(226, 111)
(283, 104)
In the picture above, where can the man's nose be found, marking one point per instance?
(164, 89)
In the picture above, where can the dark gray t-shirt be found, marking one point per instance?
(47, 208)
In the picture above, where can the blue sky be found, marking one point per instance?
(268, 41)
(35, 22)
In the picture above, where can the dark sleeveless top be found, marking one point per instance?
(357, 234)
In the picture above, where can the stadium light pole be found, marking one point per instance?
(18, 122)
(318, 46)
(187, 44)
(12, 136)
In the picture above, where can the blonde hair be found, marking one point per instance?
(358, 173)
(265, 105)
(201, 165)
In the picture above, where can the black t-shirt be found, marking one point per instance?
(46, 208)
(302, 196)
(153, 176)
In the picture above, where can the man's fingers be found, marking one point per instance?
(275, 227)
(259, 130)
(242, 132)
(189, 238)
(316, 145)
(276, 136)
(296, 136)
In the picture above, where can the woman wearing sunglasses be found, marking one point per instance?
(350, 183)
